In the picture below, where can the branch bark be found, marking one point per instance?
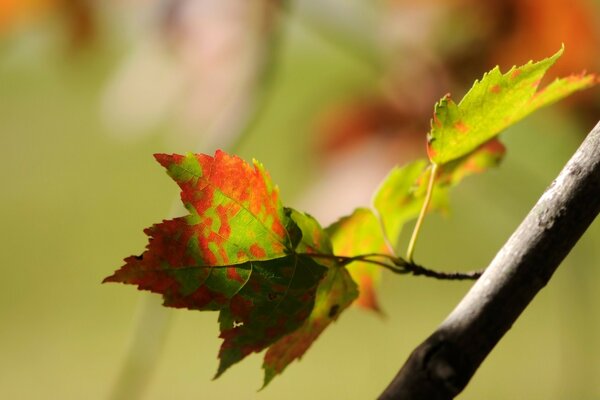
(443, 364)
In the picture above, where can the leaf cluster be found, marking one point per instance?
(276, 277)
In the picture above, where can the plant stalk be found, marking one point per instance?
(417, 229)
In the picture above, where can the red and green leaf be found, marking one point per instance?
(494, 103)
(234, 252)
(335, 293)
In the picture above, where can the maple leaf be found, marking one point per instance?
(356, 234)
(335, 293)
(275, 301)
(492, 104)
(235, 252)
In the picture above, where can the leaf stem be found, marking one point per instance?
(417, 228)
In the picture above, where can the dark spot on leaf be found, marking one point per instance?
(140, 257)
(272, 296)
(333, 310)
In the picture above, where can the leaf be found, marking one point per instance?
(234, 252)
(275, 301)
(494, 103)
(235, 209)
(360, 233)
(486, 156)
(335, 293)
(297, 304)
(400, 197)
(313, 238)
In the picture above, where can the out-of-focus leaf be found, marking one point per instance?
(360, 233)
(492, 104)
(536, 26)
(14, 12)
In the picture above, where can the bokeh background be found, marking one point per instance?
(329, 95)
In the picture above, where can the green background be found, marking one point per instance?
(74, 203)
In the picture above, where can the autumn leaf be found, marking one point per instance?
(275, 301)
(356, 234)
(235, 252)
(492, 104)
(335, 293)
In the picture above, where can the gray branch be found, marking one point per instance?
(443, 364)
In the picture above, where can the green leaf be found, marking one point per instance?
(314, 238)
(235, 252)
(494, 103)
(335, 293)
(400, 197)
(356, 234)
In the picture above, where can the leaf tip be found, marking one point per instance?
(220, 370)
(110, 279)
(163, 159)
(269, 375)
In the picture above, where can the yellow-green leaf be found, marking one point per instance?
(495, 102)
(400, 197)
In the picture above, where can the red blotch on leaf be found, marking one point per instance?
(431, 153)
(461, 127)
(225, 228)
(494, 146)
(257, 251)
(436, 121)
(234, 275)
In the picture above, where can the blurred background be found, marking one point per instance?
(329, 95)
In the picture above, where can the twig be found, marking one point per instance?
(398, 266)
(418, 270)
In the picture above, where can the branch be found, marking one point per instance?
(443, 364)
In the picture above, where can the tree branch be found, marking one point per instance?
(444, 363)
